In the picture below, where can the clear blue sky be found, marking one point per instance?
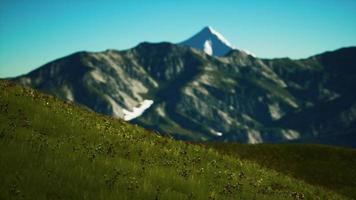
(33, 32)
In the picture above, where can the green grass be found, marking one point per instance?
(331, 167)
(51, 149)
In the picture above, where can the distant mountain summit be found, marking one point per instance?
(210, 41)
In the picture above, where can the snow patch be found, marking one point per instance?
(137, 111)
(217, 133)
(207, 47)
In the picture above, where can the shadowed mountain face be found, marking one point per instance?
(236, 97)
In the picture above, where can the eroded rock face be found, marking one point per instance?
(194, 96)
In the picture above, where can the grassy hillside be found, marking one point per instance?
(51, 149)
(331, 167)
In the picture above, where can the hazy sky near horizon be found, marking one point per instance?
(35, 32)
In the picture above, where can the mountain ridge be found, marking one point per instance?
(236, 97)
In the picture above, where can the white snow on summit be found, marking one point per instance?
(221, 37)
(211, 42)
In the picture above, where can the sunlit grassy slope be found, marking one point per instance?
(51, 149)
(330, 167)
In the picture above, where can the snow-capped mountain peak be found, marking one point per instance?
(211, 42)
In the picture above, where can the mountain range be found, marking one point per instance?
(206, 89)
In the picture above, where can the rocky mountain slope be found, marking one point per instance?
(184, 92)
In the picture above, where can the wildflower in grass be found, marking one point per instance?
(242, 174)
(297, 195)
